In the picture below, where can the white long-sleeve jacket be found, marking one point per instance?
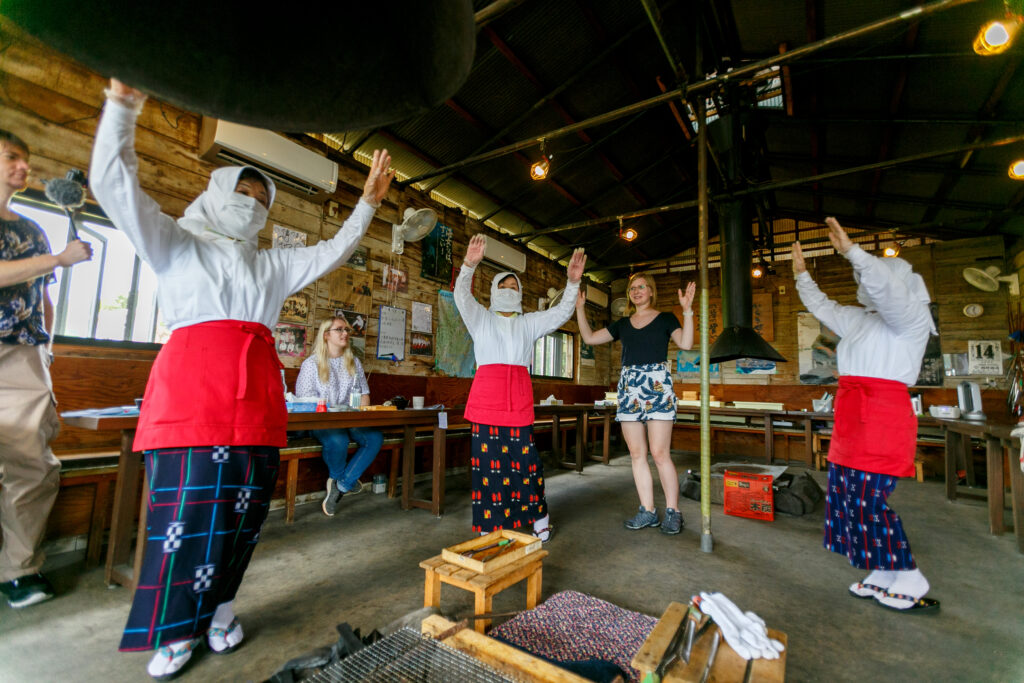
(886, 339)
(508, 341)
(200, 280)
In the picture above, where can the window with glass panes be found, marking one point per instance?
(111, 297)
(553, 356)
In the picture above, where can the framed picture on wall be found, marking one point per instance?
(437, 253)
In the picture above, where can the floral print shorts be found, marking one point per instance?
(645, 393)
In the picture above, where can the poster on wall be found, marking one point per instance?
(394, 280)
(350, 289)
(358, 345)
(421, 344)
(688, 367)
(391, 334)
(816, 349)
(422, 317)
(755, 366)
(932, 368)
(290, 340)
(586, 354)
(356, 320)
(286, 238)
(358, 259)
(984, 357)
(453, 347)
(437, 254)
(761, 309)
(295, 308)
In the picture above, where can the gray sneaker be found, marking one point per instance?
(332, 499)
(673, 522)
(643, 518)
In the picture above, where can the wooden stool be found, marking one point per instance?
(483, 586)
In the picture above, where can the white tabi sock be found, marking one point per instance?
(224, 614)
(873, 583)
(541, 528)
(910, 583)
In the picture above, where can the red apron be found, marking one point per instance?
(214, 384)
(501, 396)
(875, 427)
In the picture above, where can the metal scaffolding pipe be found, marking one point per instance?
(778, 185)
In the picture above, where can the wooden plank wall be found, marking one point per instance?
(940, 264)
(54, 104)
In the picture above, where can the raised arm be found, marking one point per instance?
(900, 308)
(838, 318)
(471, 310)
(114, 181)
(300, 267)
(683, 336)
(589, 336)
(546, 322)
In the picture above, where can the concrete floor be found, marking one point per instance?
(362, 567)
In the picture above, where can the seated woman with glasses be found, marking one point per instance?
(333, 373)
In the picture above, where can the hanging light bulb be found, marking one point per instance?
(540, 168)
(996, 37)
(628, 234)
(1017, 170)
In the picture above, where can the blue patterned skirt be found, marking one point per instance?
(206, 507)
(645, 393)
(859, 523)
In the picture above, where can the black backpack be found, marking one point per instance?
(796, 495)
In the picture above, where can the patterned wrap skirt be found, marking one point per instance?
(859, 523)
(645, 393)
(206, 507)
(507, 478)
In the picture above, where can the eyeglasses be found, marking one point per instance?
(338, 329)
(638, 288)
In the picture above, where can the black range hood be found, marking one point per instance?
(738, 338)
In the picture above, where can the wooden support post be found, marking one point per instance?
(994, 470)
(290, 490)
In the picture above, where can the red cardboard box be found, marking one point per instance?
(749, 495)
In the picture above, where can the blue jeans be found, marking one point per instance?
(335, 452)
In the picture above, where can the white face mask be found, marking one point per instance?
(240, 217)
(505, 300)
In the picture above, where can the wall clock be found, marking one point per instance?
(973, 310)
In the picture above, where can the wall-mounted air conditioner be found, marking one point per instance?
(597, 297)
(293, 167)
(504, 256)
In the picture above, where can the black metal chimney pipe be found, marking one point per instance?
(738, 338)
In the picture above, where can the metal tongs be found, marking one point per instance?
(681, 644)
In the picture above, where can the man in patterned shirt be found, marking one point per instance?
(28, 417)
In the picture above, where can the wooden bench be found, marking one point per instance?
(101, 477)
(821, 452)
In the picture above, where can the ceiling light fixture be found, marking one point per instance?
(1017, 170)
(628, 234)
(996, 36)
(757, 272)
(540, 169)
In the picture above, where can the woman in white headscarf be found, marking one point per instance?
(881, 344)
(213, 416)
(507, 477)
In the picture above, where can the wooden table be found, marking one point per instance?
(129, 467)
(995, 432)
(556, 413)
(769, 418)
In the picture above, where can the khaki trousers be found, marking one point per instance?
(30, 472)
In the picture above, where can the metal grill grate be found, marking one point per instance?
(407, 656)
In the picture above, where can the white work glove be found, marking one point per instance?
(1018, 433)
(745, 633)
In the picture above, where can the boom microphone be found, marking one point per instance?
(68, 193)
